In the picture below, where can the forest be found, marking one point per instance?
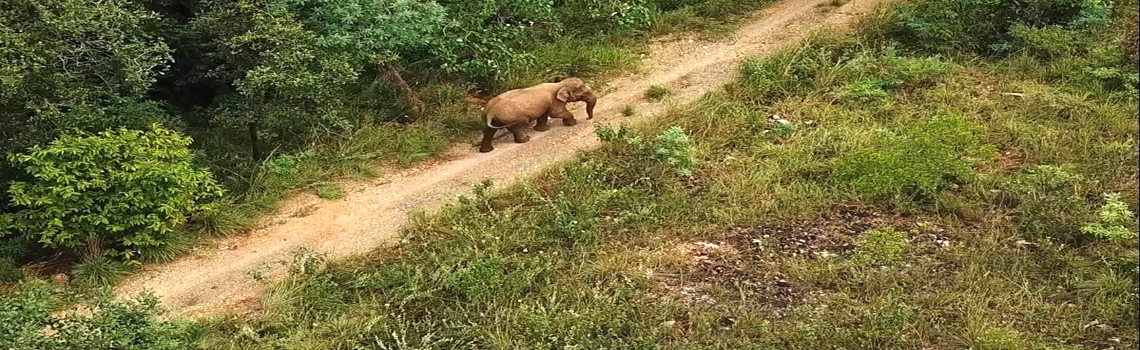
(944, 174)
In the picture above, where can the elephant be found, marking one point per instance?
(515, 109)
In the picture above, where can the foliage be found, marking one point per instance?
(919, 161)
(672, 147)
(131, 189)
(329, 191)
(984, 26)
(99, 271)
(38, 316)
(1114, 220)
(1050, 197)
(74, 64)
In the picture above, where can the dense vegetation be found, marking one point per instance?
(955, 174)
(276, 95)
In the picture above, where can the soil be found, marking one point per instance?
(748, 261)
(230, 273)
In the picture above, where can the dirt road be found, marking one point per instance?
(233, 271)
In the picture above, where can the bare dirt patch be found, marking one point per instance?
(751, 262)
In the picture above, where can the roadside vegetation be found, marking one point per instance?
(956, 174)
(242, 103)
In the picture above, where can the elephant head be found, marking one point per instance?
(575, 90)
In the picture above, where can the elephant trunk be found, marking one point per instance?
(591, 100)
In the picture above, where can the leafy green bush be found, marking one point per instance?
(36, 315)
(921, 160)
(984, 26)
(880, 247)
(128, 188)
(74, 64)
(1114, 221)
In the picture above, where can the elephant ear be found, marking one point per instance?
(563, 94)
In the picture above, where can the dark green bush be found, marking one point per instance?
(128, 189)
(73, 64)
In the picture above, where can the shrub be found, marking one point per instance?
(880, 247)
(921, 160)
(672, 147)
(128, 188)
(1114, 220)
(30, 318)
(984, 26)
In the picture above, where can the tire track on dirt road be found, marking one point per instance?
(220, 277)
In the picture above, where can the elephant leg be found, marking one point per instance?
(566, 116)
(519, 132)
(543, 123)
(488, 135)
(569, 121)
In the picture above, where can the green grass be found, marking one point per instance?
(329, 191)
(843, 195)
(657, 93)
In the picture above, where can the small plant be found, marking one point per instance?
(657, 93)
(675, 149)
(98, 270)
(628, 111)
(329, 191)
(881, 247)
(307, 261)
(9, 271)
(1113, 220)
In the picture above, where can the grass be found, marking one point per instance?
(329, 191)
(774, 239)
(628, 111)
(657, 93)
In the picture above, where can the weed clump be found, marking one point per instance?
(880, 247)
(657, 93)
(1112, 221)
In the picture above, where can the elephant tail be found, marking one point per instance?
(489, 125)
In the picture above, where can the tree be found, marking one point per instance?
(74, 64)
